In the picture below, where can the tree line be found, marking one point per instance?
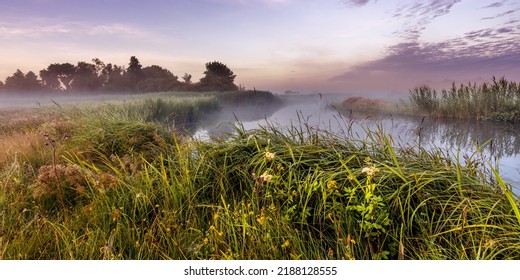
(98, 76)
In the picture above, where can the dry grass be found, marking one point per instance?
(19, 144)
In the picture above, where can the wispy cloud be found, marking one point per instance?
(495, 5)
(115, 29)
(265, 2)
(37, 29)
(419, 14)
(11, 30)
(355, 3)
(506, 13)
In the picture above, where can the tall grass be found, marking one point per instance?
(498, 100)
(137, 190)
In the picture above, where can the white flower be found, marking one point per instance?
(370, 171)
(269, 156)
(266, 177)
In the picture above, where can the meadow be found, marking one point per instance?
(125, 180)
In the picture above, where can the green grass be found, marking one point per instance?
(126, 187)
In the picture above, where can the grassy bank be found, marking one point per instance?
(113, 183)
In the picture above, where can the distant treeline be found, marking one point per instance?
(498, 101)
(98, 76)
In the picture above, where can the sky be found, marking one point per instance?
(300, 45)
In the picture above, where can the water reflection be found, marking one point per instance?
(502, 140)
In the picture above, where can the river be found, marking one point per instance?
(498, 142)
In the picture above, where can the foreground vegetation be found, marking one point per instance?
(111, 182)
(497, 101)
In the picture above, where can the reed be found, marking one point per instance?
(498, 100)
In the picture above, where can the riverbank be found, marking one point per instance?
(111, 182)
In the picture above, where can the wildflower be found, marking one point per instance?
(269, 156)
(266, 177)
(212, 228)
(261, 220)
(286, 244)
(139, 195)
(350, 240)
(332, 184)
(216, 216)
(370, 171)
(489, 243)
(205, 241)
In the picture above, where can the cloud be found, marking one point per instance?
(509, 12)
(37, 29)
(480, 53)
(32, 31)
(356, 3)
(495, 5)
(117, 29)
(419, 14)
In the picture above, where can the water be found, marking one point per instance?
(499, 143)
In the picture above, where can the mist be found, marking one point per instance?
(20, 100)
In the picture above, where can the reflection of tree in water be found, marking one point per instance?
(504, 140)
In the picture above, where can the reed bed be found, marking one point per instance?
(121, 187)
(497, 101)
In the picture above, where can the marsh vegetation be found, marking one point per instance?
(125, 180)
(498, 100)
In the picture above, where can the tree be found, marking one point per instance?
(218, 77)
(86, 78)
(187, 79)
(16, 81)
(114, 79)
(134, 73)
(22, 82)
(156, 78)
(58, 76)
(32, 83)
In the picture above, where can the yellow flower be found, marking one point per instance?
(286, 244)
(332, 184)
(212, 228)
(215, 217)
(269, 156)
(205, 241)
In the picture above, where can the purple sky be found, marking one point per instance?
(304, 45)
